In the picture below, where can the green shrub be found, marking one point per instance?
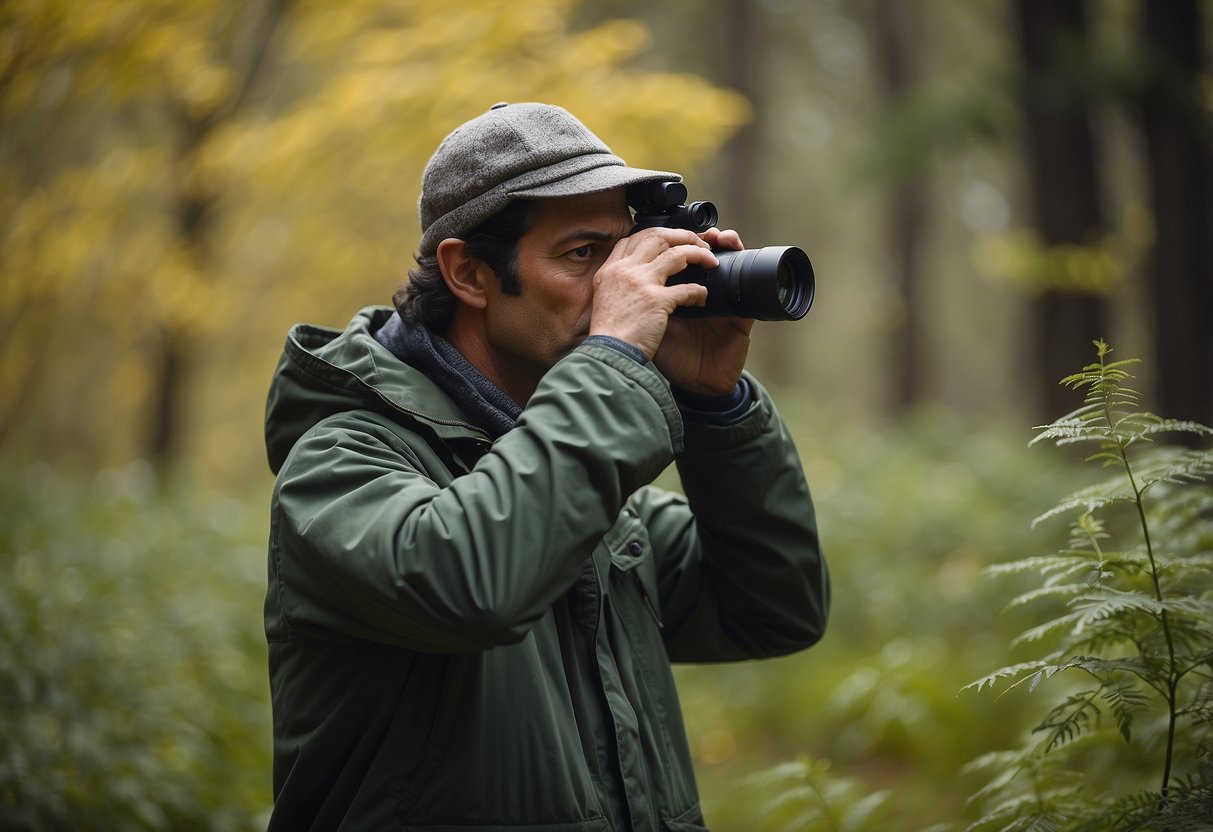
(132, 681)
(1127, 631)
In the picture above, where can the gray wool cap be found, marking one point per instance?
(515, 151)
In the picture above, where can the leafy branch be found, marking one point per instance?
(1137, 620)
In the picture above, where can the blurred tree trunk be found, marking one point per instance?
(894, 31)
(740, 74)
(195, 216)
(739, 71)
(1178, 149)
(1064, 189)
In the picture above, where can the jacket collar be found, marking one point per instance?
(325, 371)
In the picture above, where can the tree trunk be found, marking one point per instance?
(195, 217)
(738, 70)
(741, 151)
(1065, 191)
(168, 385)
(1178, 148)
(894, 30)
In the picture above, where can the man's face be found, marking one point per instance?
(557, 259)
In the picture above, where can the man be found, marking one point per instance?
(474, 593)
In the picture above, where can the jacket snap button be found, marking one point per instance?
(635, 547)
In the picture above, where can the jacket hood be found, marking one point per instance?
(326, 371)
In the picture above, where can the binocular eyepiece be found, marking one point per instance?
(774, 283)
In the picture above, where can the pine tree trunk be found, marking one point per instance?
(894, 31)
(739, 71)
(1065, 191)
(195, 218)
(1178, 148)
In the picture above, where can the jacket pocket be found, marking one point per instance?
(632, 556)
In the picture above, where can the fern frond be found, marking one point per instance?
(1189, 801)
(1041, 630)
(1187, 807)
(1197, 563)
(1108, 458)
(1102, 668)
(1046, 672)
(1023, 814)
(1051, 591)
(1180, 467)
(1180, 426)
(1065, 433)
(1108, 603)
(1091, 499)
(1003, 672)
(1138, 621)
(1069, 720)
(1064, 565)
(1204, 657)
(1075, 417)
(1124, 701)
(858, 816)
(1125, 814)
(1012, 759)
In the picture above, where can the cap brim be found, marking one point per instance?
(594, 181)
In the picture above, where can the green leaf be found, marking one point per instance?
(1053, 591)
(1038, 632)
(1003, 672)
(1124, 701)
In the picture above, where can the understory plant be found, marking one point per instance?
(1125, 643)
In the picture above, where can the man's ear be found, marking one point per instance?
(465, 276)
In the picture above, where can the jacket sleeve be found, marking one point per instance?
(367, 542)
(740, 570)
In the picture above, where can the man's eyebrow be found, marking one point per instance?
(586, 234)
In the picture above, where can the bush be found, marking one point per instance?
(132, 664)
(1128, 609)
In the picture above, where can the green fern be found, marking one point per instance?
(1132, 614)
(804, 794)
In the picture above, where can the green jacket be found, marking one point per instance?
(476, 635)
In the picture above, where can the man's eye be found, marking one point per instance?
(583, 252)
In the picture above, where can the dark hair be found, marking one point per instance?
(425, 298)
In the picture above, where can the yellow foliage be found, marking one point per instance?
(1020, 259)
(304, 198)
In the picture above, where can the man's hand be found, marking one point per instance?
(631, 299)
(633, 303)
(706, 355)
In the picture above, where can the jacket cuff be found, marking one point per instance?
(752, 422)
(647, 378)
(631, 350)
(715, 410)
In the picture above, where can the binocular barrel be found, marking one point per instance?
(773, 283)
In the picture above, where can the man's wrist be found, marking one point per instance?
(630, 350)
(728, 409)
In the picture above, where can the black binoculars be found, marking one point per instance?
(774, 283)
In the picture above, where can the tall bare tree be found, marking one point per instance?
(1065, 192)
(740, 69)
(246, 55)
(894, 34)
(1178, 149)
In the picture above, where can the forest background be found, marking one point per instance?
(984, 189)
